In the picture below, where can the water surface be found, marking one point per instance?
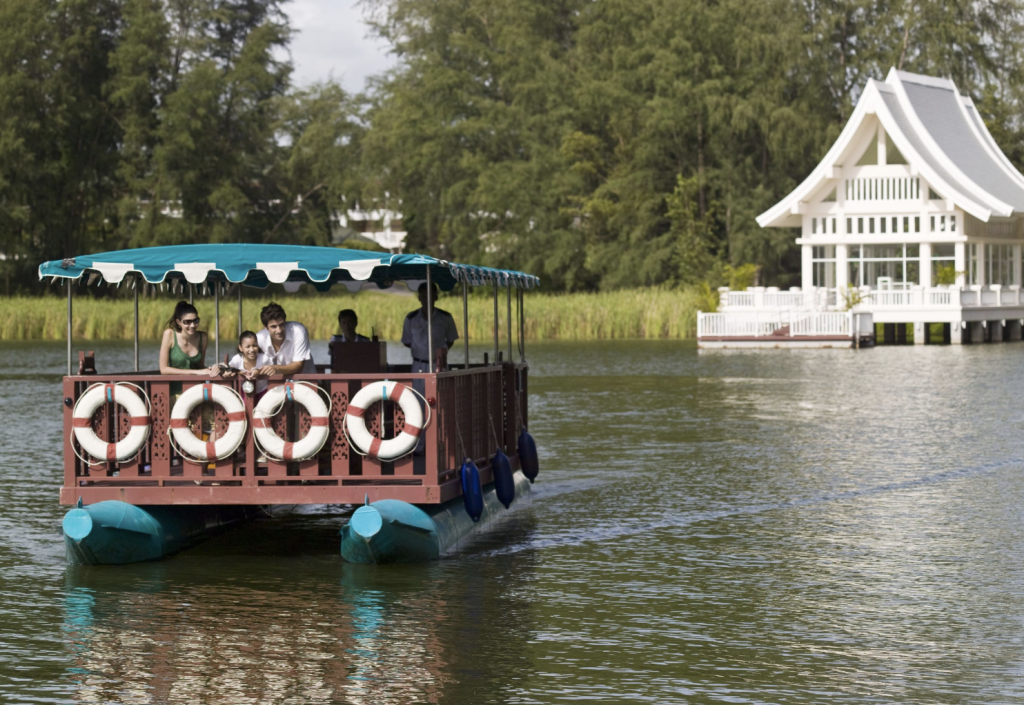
(726, 526)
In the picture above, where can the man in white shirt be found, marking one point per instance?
(414, 330)
(285, 342)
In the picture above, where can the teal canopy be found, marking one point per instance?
(260, 265)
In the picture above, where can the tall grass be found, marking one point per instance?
(629, 314)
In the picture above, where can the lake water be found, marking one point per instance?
(726, 526)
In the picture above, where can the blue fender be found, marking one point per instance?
(504, 483)
(472, 493)
(528, 456)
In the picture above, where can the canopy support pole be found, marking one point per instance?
(216, 321)
(522, 327)
(465, 320)
(508, 301)
(190, 292)
(495, 321)
(239, 309)
(70, 281)
(430, 322)
(136, 288)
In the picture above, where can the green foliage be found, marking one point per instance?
(945, 274)
(852, 297)
(602, 145)
(631, 313)
(742, 277)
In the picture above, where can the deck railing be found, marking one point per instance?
(473, 411)
(774, 302)
(764, 324)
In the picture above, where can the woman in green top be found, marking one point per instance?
(183, 349)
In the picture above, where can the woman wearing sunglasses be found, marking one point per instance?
(183, 349)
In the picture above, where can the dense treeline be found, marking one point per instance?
(600, 143)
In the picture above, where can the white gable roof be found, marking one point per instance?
(942, 137)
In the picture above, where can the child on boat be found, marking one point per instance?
(248, 362)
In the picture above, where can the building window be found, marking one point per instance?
(972, 263)
(884, 266)
(823, 260)
(943, 265)
(999, 264)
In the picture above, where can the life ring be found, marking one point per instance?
(306, 396)
(186, 440)
(369, 444)
(96, 396)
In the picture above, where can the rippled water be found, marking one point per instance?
(762, 526)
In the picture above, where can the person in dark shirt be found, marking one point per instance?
(414, 330)
(347, 322)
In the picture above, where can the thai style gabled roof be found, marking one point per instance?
(941, 136)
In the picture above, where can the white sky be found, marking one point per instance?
(331, 39)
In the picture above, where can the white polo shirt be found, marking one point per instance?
(294, 348)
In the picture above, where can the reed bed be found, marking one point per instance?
(627, 314)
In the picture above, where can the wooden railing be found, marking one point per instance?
(473, 412)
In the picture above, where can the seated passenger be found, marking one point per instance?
(347, 322)
(285, 343)
(414, 330)
(248, 362)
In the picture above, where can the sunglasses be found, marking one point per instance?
(190, 321)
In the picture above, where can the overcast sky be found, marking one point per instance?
(331, 39)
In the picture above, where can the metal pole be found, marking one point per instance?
(239, 309)
(137, 285)
(508, 301)
(70, 281)
(522, 326)
(430, 322)
(495, 321)
(216, 321)
(190, 293)
(465, 320)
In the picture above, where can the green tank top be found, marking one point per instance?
(179, 360)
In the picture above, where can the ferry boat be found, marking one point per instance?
(430, 457)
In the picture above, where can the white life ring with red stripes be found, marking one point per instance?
(96, 396)
(369, 444)
(196, 448)
(306, 396)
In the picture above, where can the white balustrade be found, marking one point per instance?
(763, 324)
(823, 323)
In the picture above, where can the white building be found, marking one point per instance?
(914, 216)
(381, 225)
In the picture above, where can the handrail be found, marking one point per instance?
(459, 400)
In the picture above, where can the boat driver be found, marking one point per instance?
(285, 343)
(414, 330)
(347, 322)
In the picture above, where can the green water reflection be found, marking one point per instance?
(769, 526)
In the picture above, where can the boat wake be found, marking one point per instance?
(621, 529)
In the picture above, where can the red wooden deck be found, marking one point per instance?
(473, 412)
